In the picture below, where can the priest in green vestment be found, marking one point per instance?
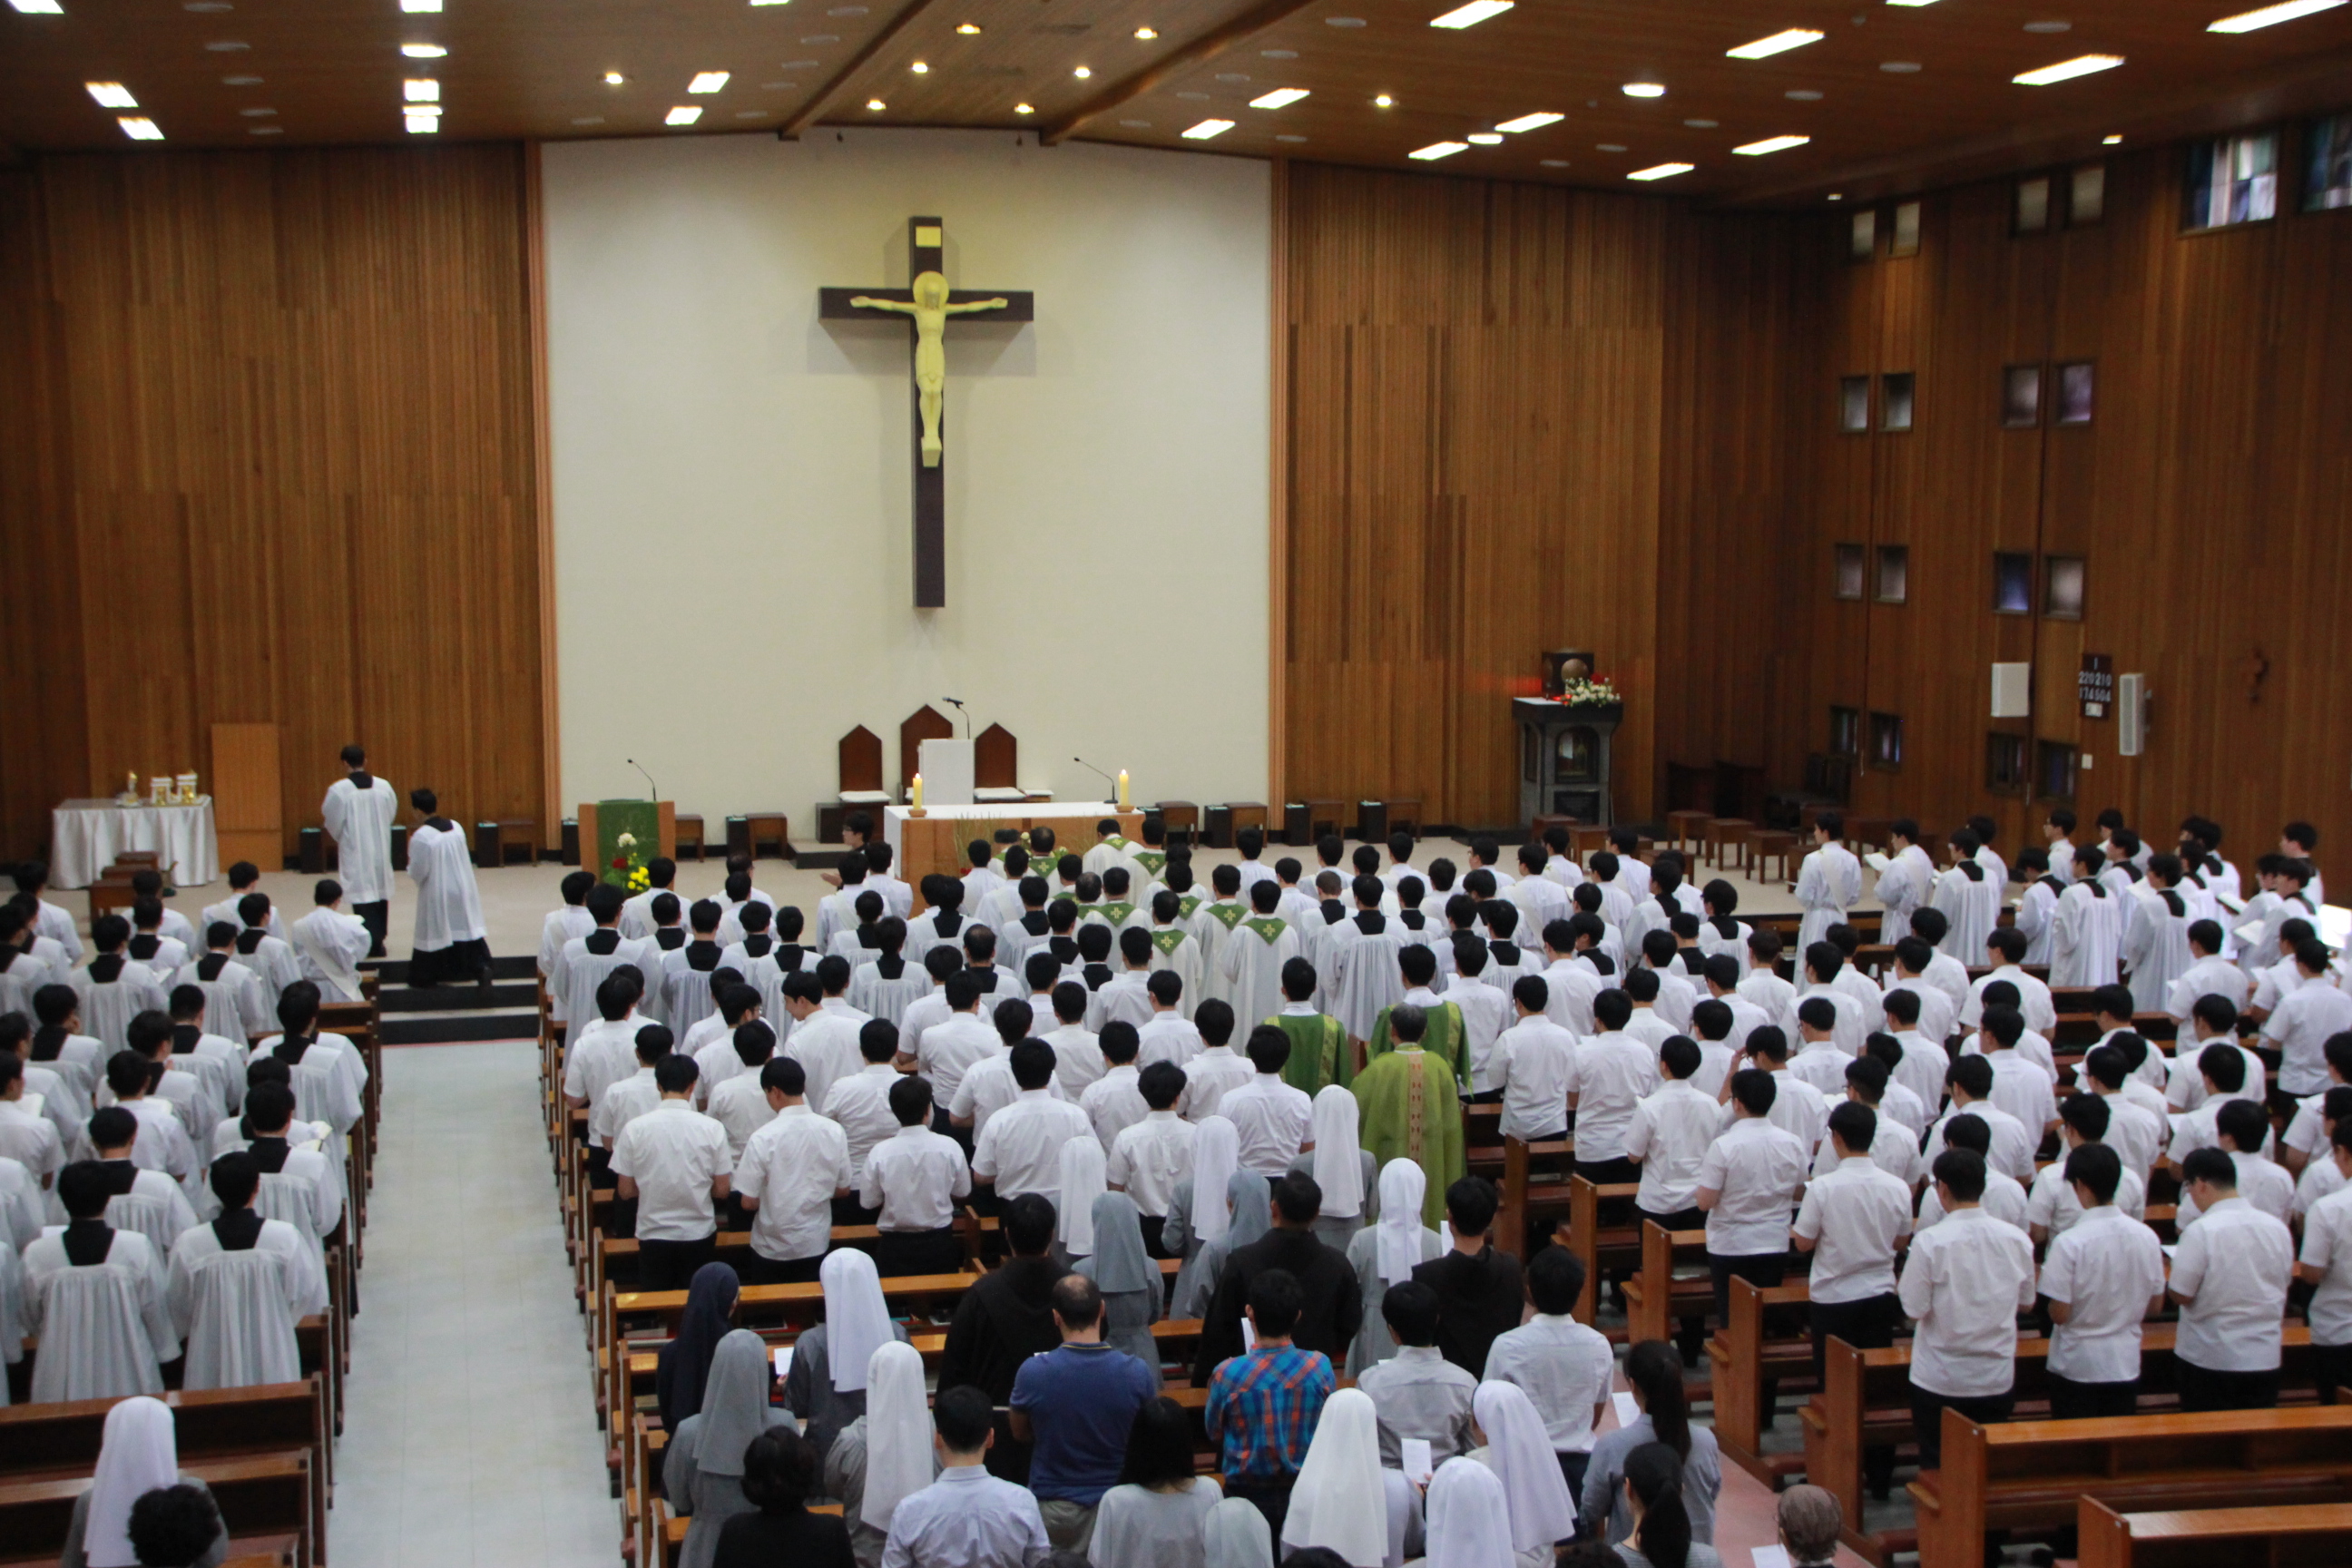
(1319, 1051)
(1444, 1035)
(1407, 1109)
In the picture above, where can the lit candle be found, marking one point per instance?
(917, 799)
(1122, 789)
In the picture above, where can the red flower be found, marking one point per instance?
(620, 862)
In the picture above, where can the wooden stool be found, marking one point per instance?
(1404, 811)
(1178, 816)
(690, 831)
(1870, 832)
(1587, 838)
(757, 825)
(1320, 813)
(1373, 820)
(1687, 827)
(1781, 846)
(1723, 834)
(1224, 820)
(518, 833)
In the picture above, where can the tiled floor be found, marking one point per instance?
(470, 1435)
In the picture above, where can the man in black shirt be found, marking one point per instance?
(1005, 1319)
(1479, 1293)
(1333, 1307)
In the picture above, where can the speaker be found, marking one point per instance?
(2131, 715)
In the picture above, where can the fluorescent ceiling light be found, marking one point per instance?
(1147, 34)
(111, 94)
(1485, 139)
(2271, 16)
(707, 81)
(968, 29)
(421, 90)
(1470, 15)
(2067, 71)
(684, 114)
(427, 109)
(1793, 38)
(38, 8)
(921, 68)
(1082, 72)
(1436, 150)
(421, 8)
(1279, 98)
(1643, 89)
(1910, 2)
(614, 79)
(423, 51)
(1383, 101)
(2109, 141)
(1772, 144)
(1535, 121)
(1024, 109)
(422, 124)
(1661, 171)
(875, 106)
(139, 128)
(1207, 128)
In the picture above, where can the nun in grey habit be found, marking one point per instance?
(1128, 1279)
(703, 1473)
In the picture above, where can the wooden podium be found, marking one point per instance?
(665, 811)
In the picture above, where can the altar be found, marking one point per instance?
(1566, 739)
(935, 841)
(85, 835)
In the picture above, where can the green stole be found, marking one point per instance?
(1118, 914)
(1446, 1038)
(1153, 862)
(1406, 1110)
(1318, 1051)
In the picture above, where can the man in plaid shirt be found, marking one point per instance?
(1263, 1405)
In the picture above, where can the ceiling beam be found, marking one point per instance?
(808, 113)
(1205, 48)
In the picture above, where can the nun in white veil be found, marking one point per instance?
(1074, 1207)
(826, 1385)
(1130, 1281)
(870, 1478)
(1518, 1450)
(1469, 1523)
(1216, 1154)
(1235, 1535)
(1385, 1254)
(1332, 1504)
(1341, 1167)
(139, 1453)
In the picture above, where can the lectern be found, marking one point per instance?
(601, 824)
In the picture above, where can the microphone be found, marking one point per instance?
(1106, 777)
(655, 792)
(956, 703)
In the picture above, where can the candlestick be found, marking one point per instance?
(1122, 789)
(916, 798)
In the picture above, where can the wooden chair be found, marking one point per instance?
(860, 783)
(925, 723)
(1180, 820)
(766, 828)
(1687, 827)
(689, 832)
(1229, 818)
(518, 833)
(1779, 847)
(997, 766)
(1404, 811)
(1726, 839)
(1587, 839)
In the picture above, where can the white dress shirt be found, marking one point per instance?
(945, 1052)
(1569, 988)
(1113, 1104)
(1822, 1064)
(1077, 1057)
(1208, 1078)
(1272, 1120)
(826, 1045)
(2327, 1247)
(2004, 1199)
(861, 1104)
(1148, 1158)
(673, 1154)
(1168, 1037)
(2233, 1266)
(1609, 1074)
(2106, 1267)
(622, 1102)
(2300, 1028)
(988, 1088)
(1565, 1368)
(1854, 1216)
(1755, 1169)
(2026, 1091)
(2051, 1205)
(1533, 1060)
(1966, 1281)
(2032, 999)
(2013, 1148)
(603, 1052)
(1894, 1149)
(1798, 1109)
(967, 1517)
(2261, 1183)
(740, 1105)
(794, 1165)
(1021, 1148)
(1670, 1134)
(915, 1176)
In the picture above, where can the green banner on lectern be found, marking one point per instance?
(628, 833)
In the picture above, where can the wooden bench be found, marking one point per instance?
(1524, 1200)
(2311, 1534)
(265, 1501)
(1617, 1246)
(1741, 1358)
(1655, 1297)
(2033, 1475)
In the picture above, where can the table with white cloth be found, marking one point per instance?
(936, 840)
(85, 835)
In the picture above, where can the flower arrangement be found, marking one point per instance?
(631, 864)
(1588, 693)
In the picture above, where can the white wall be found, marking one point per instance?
(733, 561)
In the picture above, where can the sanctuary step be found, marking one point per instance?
(446, 1015)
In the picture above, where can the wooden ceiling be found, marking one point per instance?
(220, 73)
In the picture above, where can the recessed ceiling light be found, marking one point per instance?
(421, 8)
(1484, 138)
(1643, 89)
(420, 109)
(1024, 109)
(921, 68)
(1661, 171)
(1536, 122)
(968, 29)
(139, 128)
(1193, 97)
(1277, 54)
(588, 120)
(1803, 94)
(423, 51)
(1772, 144)
(228, 46)
(1910, 2)
(2109, 141)
(1469, 16)
(1792, 38)
(876, 106)
(1207, 128)
(1382, 100)
(420, 89)
(614, 79)
(1555, 163)
(1436, 150)
(421, 124)
(771, 2)
(1232, 78)
(2271, 16)
(1278, 98)
(684, 114)
(1290, 138)
(1899, 67)
(815, 38)
(240, 81)
(265, 131)
(1702, 124)
(708, 81)
(111, 94)
(1834, 196)
(1343, 21)
(1082, 72)
(756, 113)
(258, 113)
(1608, 147)
(1147, 34)
(2067, 71)
(2051, 26)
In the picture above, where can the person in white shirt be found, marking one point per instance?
(791, 1172)
(712, 1042)
(2242, 1128)
(860, 1103)
(1721, 1032)
(2300, 1026)
(2213, 1024)
(1564, 1367)
(2230, 1275)
(1824, 965)
(913, 1181)
(1168, 1036)
(2136, 1133)
(1829, 882)
(1669, 1137)
(1852, 1218)
(1798, 1108)
(1533, 1058)
(1114, 1103)
(603, 1051)
(673, 1160)
(2020, 1086)
(625, 1100)
(2208, 973)
(1970, 1082)
(945, 1051)
(1273, 1118)
(1647, 1025)
(824, 1036)
(1218, 1068)
(2303, 1141)
(2051, 1210)
(1747, 1186)
(1819, 1062)
(2103, 1277)
(2222, 1071)
(2326, 1264)
(1762, 983)
(1020, 1149)
(1077, 1049)
(737, 1101)
(1609, 1075)
(1149, 1158)
(2004, 1198)
(1661, 956)
(1894, 1144)
(1963, 1286)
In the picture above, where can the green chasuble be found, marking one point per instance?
(1407, 1109)
(1153, 862)
(1318, 1051)
(1444, 1038)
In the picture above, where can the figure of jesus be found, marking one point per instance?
(931, 309)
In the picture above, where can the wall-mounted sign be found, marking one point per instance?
(2095, 687)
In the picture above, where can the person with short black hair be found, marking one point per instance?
(358, 813)
(2230, 1277)
(1477, 1285)
(1418, 1393)
(1563, 1366)
(450, 942)
(1263, 1405)
(1672, 1130)
(794, 1169)
(1609, 1076)
(1330, 1304)
(675, 1161)
(177, 1526)
(1406, 1107)
(1829, 882)
(780, 1474)
(237, 1288)
(1967, 1280)
(969, 1518)
(1273, 1119)
(1254, 951)
(2102, 1276)
(1852, 1218)
(1005, 1318)
(97, 1343)
(825, 1029)
(1147, 1159)
(1020, 1149)
(1747, 1186)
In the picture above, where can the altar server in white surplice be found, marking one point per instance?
(586, 961)
(114, 988)
(146, 1200)
(237, 1288)
(1907, 882)
(2155, 936)
(236, 1006)
(358, 813)
(2087, 930)
(1365, 981)
(329, 943)
(1254, 952)
(1829, 882)
(94, 1297)
(1960, 894)
(449, 929)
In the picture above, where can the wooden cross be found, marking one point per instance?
(927, 305)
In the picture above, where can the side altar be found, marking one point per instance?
(1566, 739)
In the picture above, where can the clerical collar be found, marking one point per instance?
(107, 968)
(868, 936)
(120, 1176)
(270, 1154)
(439, 823)
(702, 956)
(145, 946)
(238, 1230)
(362, 780)
(209, 967)
(604, 942)
(890, 965)
(671, 938)
(290, 1049)
(87, 1242)
(1063, 948)
(249, 939)
(1372, 922)
(185, 1037)
(1413, 920)
(757, 945)
(1097, 975)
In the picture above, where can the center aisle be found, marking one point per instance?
(468, 1437)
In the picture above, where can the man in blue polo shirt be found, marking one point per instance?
(1075, 1405)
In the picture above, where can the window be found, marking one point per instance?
(2053, 770)
(1894, 400)
(2075, 384)
(2233, 180)
(2005, 763)
(1906, 230)
(1894, 574)
(2061, 587)
(1862, 243)
(1854, 404)
(2034, 205)
(1886, 742)
(1846, 731)
(1848, 560)
(2328, 182)
(2087, 195)
(2013, 583)
(2020, 397)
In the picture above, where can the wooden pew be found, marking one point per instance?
(265, 1501)
(1741, 1360)
(1618, 1246)
(2299, 1537)
(2033, 1475)
(1524, 1202)
(1654, 1297)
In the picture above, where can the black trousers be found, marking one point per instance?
(2202, 1388)
(378, 919)
(1271, 1499)
(1154, 1227)
(754, 1270)
(2073, 1400)
(2335, 1370)
(1765, 1270)
(1608, 1173)
(1868, 1324)
(848, 1211)
(671, 1265)
(899, 1253)
(1928, 1414)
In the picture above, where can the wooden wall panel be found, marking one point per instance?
(282, 470)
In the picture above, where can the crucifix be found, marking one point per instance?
(927, 305)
